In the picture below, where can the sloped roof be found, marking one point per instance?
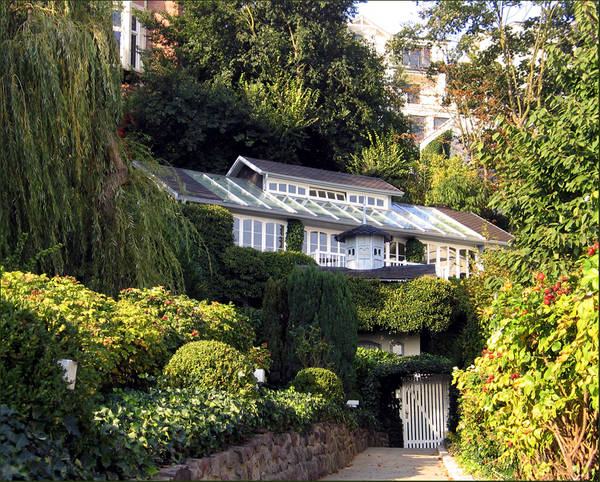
(477, 224)
(390, 273)
(309, 174)
(408, 219)
(363, 229)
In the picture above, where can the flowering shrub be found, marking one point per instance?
(530, 401)
(117, 340)
(186, 319)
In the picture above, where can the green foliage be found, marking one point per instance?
(117, 340)
(203, 271)
(319, 381)
(530, 401)
(170, 425)
(184, 319)
(422, 304)
(368, 296)
(312, 349)
(274, 331)
(548, 176)
(30, 377)
(440, 146)
(393, 159)
(294, 235)
(14, 261)
(279, 80)
(378, 376)
(322, 299)
(415, 251)
(66, 176)
(26, 454)
(247, 270)
(210, 364)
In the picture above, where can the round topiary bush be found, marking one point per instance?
(210, 364)
(321, 381)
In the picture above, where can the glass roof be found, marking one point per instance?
(420, 219)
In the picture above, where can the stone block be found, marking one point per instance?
(175, 472)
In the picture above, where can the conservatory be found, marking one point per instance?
(264, 196)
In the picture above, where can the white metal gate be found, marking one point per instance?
(424, 410)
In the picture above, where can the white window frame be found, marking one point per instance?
(128, 10)
(240, 233)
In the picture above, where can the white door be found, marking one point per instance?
(424, 410)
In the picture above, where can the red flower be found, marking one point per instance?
(540, 276)
(264, 344)
(164, 317)
(547, 301)
(591, 251)
(194, 333)
(514, 375)
(74, 281)
(121, 133)
(509, 444)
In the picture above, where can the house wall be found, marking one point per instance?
(411, 343)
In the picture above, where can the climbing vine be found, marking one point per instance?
(295, 235)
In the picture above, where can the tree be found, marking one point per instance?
(66, 175)
(498, 67)
(391, 159)
(548, 169)
(298, 87)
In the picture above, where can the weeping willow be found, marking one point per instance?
(64, 175)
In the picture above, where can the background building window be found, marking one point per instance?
(413, 94)
(416, 59)
(417, 126)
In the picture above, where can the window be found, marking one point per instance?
(301, 191)
(397, 252)
(116, 21)
(260, 235)
(371, 201)
(369, 345)
(324, 242)
(397, 348)
(282, 187)
(272, 186)
(352, 198)
(330, 195)
(439, 121)
(416, 59)
(417, 125)
(413, 94)
(134, 43)
(292, 189)
(380, 202)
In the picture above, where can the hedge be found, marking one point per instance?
(294, 237)
(320, 381)
(247, 270)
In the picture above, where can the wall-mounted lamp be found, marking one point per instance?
(352, 403)
(70, 368)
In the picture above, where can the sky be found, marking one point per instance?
(392, 15)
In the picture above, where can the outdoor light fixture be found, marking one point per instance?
(70, 368)
(352, 403)
(260, 376)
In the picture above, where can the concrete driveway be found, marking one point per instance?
(377, 463)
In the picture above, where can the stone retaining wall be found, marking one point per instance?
(324, 449)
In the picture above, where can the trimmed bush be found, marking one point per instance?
(185, 319)
(210, 364)
(247, 270)
(319, 381)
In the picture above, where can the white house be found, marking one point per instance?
(355, 224)
(264, 195)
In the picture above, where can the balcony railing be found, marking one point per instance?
(327, 258)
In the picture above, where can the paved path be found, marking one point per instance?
(393, 464)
